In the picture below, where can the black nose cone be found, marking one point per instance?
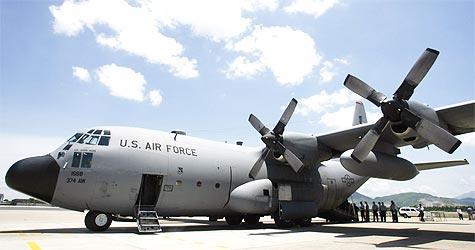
(35, 176)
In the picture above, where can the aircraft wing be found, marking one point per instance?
(440, 164)
(460, 119)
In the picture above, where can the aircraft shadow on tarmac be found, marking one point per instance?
(411, 236)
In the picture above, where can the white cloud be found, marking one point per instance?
(324, 101)
(256, 5)
(122, 82)
(243, 67)
(316, 8)
(336, 108)
(330, 69)
(155, 97)
(137, 27)
(132, 29)
(289, 54)
(81, 74)
(343, 117)
(326, 73)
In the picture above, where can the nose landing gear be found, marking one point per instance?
(97, 221)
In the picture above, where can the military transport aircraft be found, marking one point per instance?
(124, 174)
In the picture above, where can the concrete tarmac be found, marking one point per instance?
(53, 228)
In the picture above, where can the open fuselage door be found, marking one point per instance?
(146, 214)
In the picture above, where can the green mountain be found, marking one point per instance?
(414, 199)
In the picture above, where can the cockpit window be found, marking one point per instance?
(86, 160)
(93, 137)
(76, 160)
(93, 140)
(72, 140)
(75, 137)
(104, 141)
(84, 137)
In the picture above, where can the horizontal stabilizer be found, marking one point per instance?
(440, 164)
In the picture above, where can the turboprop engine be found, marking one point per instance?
(403, 114)
(407, 133)
(380, 165)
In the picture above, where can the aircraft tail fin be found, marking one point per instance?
(359, 116)
(440, 164)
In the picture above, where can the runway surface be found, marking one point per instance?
(52, 228)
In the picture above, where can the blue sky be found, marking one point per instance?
(210, 65)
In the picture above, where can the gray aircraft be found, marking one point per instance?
(124, 174)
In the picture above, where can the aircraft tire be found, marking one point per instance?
(303, 222)
(234, 220)
(283, 223)
(97, 221)
(252, 219)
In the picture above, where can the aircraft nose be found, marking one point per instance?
(34, 176)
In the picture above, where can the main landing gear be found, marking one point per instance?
(249, 219)
(290, 223)
(97, 221)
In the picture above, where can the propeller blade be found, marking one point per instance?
(364, 90)
(430, 131)
(279, 128)
(257, 166)
(366, 144)
(416, 74)
(293, 160)
(257, 124)
(290, 157)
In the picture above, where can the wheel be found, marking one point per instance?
(405, 216)
(252, 219)
(303, 222)
(283, 223)
(97, 221)
(213, 218)
(234, 220)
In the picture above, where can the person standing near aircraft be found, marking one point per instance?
(393, 209)
(355, 211)
(375, 212)
(362, 211)
(366, 210)
(459, 212)
(383, 210)
(470, 213)
(421, 212)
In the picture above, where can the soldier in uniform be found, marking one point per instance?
(362, 212)
(393, 209)
(375, 212)
(383, 210)
(366, 210)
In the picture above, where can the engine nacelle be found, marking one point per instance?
(306, 147)
(253, 197)
(380, 165)
(410, 135)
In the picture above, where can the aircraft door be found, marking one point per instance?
(150, 188)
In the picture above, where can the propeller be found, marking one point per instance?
(397, 110)
(273, 140)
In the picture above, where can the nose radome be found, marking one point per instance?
(34, 176)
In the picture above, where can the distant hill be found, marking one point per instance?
(413, 199)
(466, 195)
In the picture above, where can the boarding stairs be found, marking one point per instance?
(147, 220)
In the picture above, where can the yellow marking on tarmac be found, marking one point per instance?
(33, 245)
